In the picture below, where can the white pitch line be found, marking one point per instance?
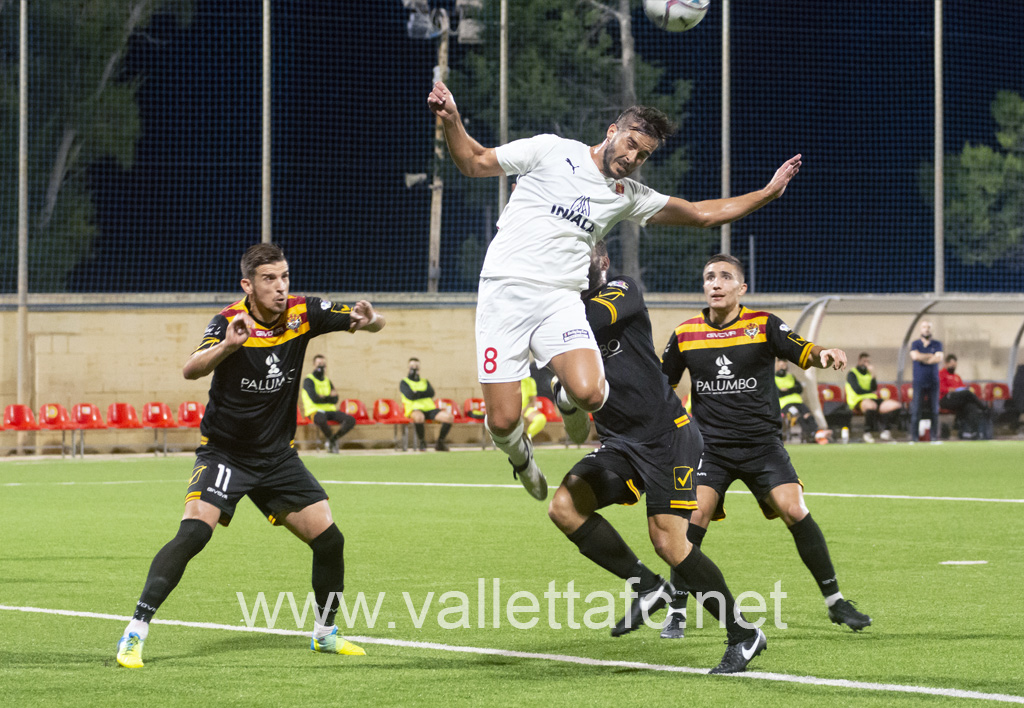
(562, 658)
(517, 486)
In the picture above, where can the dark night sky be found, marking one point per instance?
(850, 89)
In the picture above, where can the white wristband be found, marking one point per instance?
(375, 318)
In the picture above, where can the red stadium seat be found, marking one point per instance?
(977, 389)
(53, 416)
(19, 417)
(357, 409)
(889, 392)
(300, 419)
(996, 395)
(447, 404)
(190, 414)
(157, 415)
(84, 416)
(387, 411)
(473, 410)
(123, 416)
(830, 392)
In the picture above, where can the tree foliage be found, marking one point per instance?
(985, 192)
(81, 109)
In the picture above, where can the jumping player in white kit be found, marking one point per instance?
(568, 196)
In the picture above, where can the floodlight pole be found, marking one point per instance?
(265, 230)
(726, 121)
(437, 186)
(22, 318)
(939, 195)
(502, 99)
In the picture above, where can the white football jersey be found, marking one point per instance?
(562, 205)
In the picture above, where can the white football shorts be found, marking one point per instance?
(515, 317)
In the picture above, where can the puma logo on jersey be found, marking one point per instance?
(571, 165)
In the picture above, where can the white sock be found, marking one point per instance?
(321, 630)
(563, 401)
(514, 444)
(567, 402)
(833, 599)
(137, 627)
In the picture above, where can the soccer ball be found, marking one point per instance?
(676, 15)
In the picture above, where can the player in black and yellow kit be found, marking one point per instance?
(730, 352)
(255, 349)
(648, 444)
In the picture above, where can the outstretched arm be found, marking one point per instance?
(472, 158)
(715, 212)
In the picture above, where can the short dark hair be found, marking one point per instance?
(412, 358)
(951, 357)
(726, 258)
(863, 355)
(647, 120)
(259, 255)
(319, 356)
(601, 249)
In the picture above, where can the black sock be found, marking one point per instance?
(810, 544)
(884, 420)
(328, 572)
(699, 574)
(679, 591)
(420, 432)
(871, 420)
(445, 427)
(695, 534)
(169, 564)
(347, 423)
(600, 542)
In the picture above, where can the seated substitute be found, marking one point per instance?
(973, 417)
(730, 352)
(320, 404)
(791, 401)
(418, 400)
(255, 348)
(648, 444)
(862, 395)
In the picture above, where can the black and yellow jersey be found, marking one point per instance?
(255, 391)
(732, 373)
(641, 405)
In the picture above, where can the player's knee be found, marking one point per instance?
(671, 548)
(563, 512)
(592, 397)
(329, 544)
(192, 536)
(792, 513)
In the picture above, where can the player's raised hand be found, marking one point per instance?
(782, 176)
(238, 329)
(441, 101)
(363, 316)
(836, 358)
